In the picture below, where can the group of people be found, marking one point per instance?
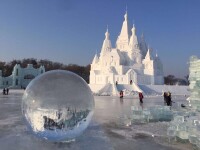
(167, 98)
(5, 91)
(166, 95)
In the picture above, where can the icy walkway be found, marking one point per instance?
(107, 131)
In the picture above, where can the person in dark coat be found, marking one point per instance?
(4, 91)
(165, 98)
(7, 91)
(169, 99)
(141, 97)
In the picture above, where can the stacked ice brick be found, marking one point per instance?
(151, 114)
(185, 128)
(194, 77)
(186, 124)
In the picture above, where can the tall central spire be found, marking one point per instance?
(123, 38)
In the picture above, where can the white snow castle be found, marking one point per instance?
(125, 66)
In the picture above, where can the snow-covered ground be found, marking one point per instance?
(108, 129)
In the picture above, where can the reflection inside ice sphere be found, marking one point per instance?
(58, 105)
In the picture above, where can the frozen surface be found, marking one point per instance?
(108, 130)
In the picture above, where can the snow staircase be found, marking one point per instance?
(113, 89)
(108, 89)
(129, 89)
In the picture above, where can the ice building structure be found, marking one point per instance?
(128, 64)
(194, 78)
(20, 77)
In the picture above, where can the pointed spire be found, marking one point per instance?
(126, 14)
(133, 30)
(156, 54)
(123, 38)
(107, 35)
(107, 46)
(133, 44)
(95, 60)
(148, 55)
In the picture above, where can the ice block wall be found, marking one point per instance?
(194, 78)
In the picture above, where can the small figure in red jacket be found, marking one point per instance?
(141, 97)
(121, 94)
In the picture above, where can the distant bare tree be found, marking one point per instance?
(82, 71)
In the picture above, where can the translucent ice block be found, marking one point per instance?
(179, 119)
(193, 139)
(171, 132)
(183, 135)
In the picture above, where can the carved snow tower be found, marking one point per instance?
(129, 63)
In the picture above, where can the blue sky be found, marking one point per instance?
(70, 31)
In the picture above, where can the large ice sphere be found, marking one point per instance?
(58, 105)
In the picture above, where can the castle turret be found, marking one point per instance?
(41, 69)
(16, 74)
(134, 51)
(148, 55)
(133, 44)
(107, 46)
(95, 60)
(123, 38)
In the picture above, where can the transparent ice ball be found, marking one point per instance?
(57, 105)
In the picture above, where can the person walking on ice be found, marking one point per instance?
(121, 94)
(141, 97)
(169, 99)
